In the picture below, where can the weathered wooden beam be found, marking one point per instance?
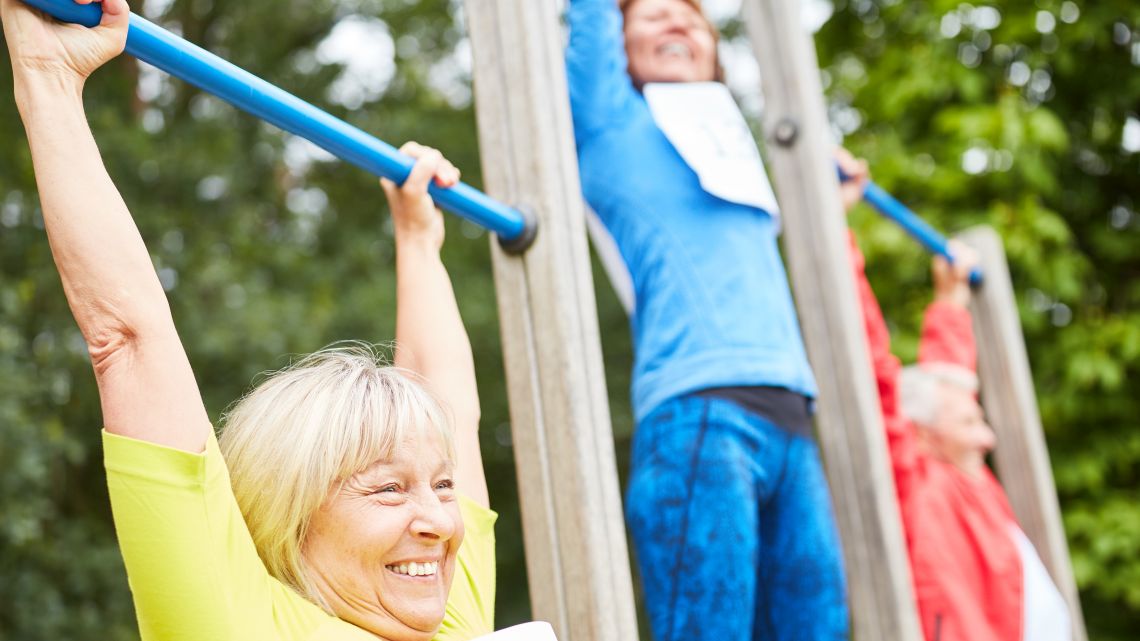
(568, 483)
(1010, 401)
(849, 420)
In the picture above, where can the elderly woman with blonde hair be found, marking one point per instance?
(346, 499)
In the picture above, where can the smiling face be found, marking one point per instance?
(669, 41)
(959, 432)
(381, 550)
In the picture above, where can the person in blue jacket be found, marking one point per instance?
(727, 500)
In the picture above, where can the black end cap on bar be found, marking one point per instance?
(517, 246)
(977, 281)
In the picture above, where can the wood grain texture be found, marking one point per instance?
(1007, 392)
(574, 532)
(849, 420)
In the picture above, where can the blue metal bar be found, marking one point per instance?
(157, 46)
(912, 224)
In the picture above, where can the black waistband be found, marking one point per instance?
(788, 410)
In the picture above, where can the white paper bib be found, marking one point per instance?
(534, 631)
(706, 127)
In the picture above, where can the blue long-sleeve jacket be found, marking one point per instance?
(713, 307)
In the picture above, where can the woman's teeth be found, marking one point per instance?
(415, 569)
(676, 49)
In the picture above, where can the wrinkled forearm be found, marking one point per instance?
(146, 387)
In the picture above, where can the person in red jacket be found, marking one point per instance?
(976, 576)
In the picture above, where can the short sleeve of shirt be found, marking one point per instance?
(191, 563)
(471, 603)
(194, 571)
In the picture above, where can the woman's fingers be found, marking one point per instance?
(952, 277)
(430, 165)
(389, 188)
(413, 211)
(114, 12)
(857, 174)
(447, 175)
(855, 169)
(40, 45)
(965, 259)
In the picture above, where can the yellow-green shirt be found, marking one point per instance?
(195, 574)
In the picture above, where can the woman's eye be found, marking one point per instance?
(391, 487)
(445, 485)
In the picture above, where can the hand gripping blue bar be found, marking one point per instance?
(153, 44)
(912, 224)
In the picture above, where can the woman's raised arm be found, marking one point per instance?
(430, 337)
(146, 386)
(600, 87)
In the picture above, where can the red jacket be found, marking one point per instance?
(965, 564)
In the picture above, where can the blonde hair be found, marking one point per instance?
(304, 430)
(920, 399)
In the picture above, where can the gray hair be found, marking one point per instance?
(304, 430)
(919, 397)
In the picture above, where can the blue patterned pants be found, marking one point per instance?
(733, 528)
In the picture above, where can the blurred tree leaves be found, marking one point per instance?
(1016, 115)
(991, 113)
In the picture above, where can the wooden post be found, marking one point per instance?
(568, 483)
(1011, 407)
(849, 419)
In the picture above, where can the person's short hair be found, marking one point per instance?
(307, 428)
(920, 398)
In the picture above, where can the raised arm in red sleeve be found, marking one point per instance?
(948, 336)
(901, 439)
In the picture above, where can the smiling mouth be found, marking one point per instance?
(427, 568)
(676, 49)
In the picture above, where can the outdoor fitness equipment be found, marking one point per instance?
(912, 224)
(152, 44)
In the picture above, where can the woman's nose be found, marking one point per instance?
(433, 520)
(675, 21)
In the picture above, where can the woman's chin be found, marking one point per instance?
(411, 620)
(423, 618)
(404, 628)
